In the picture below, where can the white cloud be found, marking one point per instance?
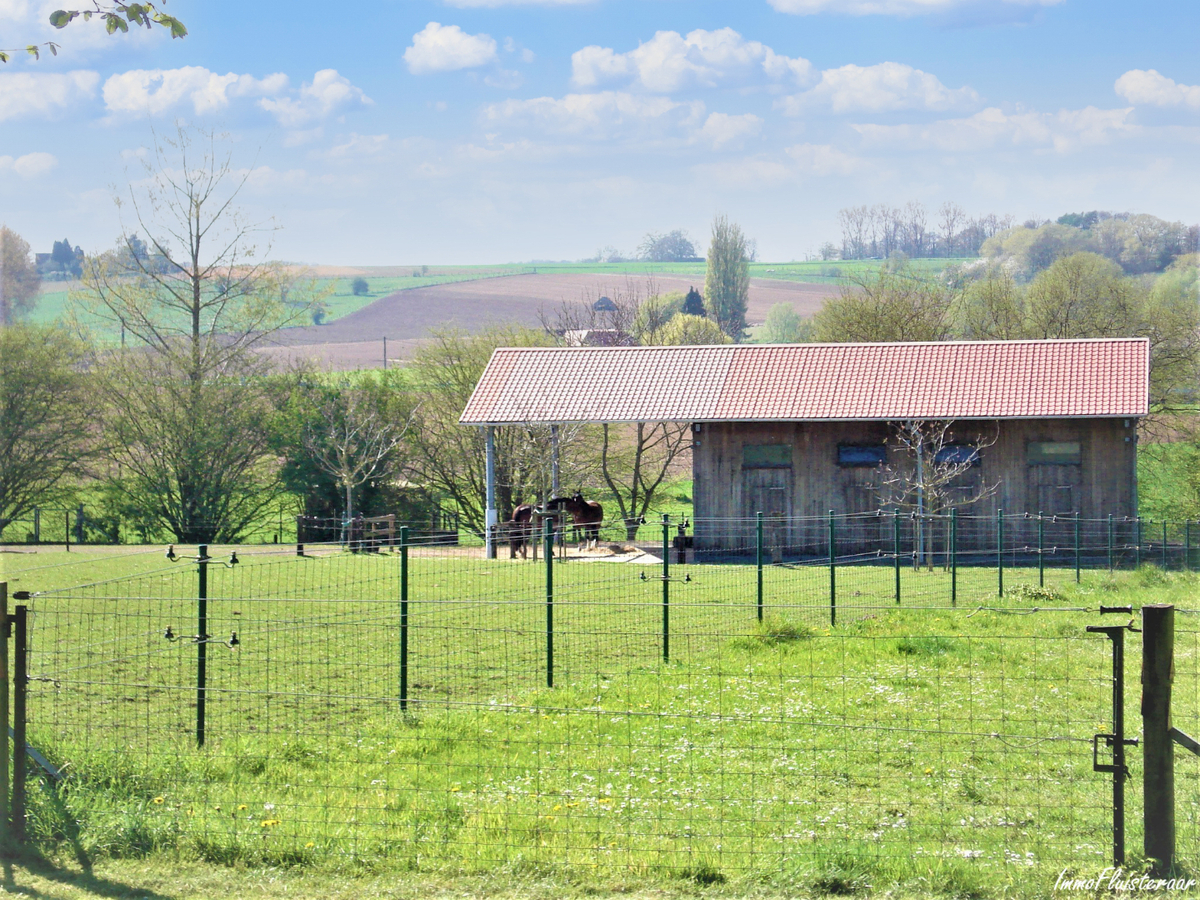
(605, 114)
(884, 87)
(447, 48)
(670, 62)
(891, 7)
(823, 159)
(327, 93)
(359, 145)
(1146, 87)
(1063, 131)
(31, 165)
(720, 129)
(43, 93)
(155, 91)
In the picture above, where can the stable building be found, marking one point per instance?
(800, 430)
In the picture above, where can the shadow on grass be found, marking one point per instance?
(85, 880)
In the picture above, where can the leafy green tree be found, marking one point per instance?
(45, 416)
(784, 325)
(359, 287)
(186, 406)
(991, 308)
(653, 315)
(727, 281)
(893, 304)
(19, 279)
(693, 303)
(685, 329)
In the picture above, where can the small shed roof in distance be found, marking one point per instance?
(1105, 377)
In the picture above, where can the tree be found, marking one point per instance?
(117, 16)
(893, 304)
(930, 474)
(45, 416)
(448, 458)
(634, 462)
(654, 314)
(187, 404)
(693, 303)
(991, 308)
(672, 247)
(785, 326)
(727, 282)
(354, 440)
(685, 329)
(19, 277)
(359, 287)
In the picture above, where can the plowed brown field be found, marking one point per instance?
(406, 317)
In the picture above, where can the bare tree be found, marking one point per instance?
(353, 441)
(635, 461)
(932, 472)
(185, 403)
(952, 218)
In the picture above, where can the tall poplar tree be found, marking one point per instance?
(727, 282)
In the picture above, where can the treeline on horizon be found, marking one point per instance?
(1139, 243)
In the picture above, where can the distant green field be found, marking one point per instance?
(54, 303)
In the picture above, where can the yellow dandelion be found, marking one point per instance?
(455, 788)
(557, 807)
(929, 771)
(158, 800)
(269, 823)
(242, 807)
(309, 845)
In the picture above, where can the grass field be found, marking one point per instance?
(923, 749)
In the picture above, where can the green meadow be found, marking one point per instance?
(914, 748)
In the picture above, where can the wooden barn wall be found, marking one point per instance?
(1104, 483)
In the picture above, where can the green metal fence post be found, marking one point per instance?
(20, 743)
(1041, 550)
(896, 550)
(758, 558)
(1110, 544)
(1164, 546)
(1137, 542)
(201, 642)
(1000, 551)
(1078, 561)
(666, 588)
(403, 617)
(953, 557)
(548, 546)
(832, 571)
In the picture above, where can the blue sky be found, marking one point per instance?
(484, 131)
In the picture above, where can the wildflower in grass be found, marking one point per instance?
(455, 788)
(929, 771)
(309, 845)
(242, 807)
(158, 801)
(269, 823)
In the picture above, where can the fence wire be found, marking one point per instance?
(642, 709)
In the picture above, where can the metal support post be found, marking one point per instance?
(1078, 561)
(1000, 551)
(1110, 544)
(201, 642)
(20, 742)
(832, 571)
(666, 588)
(1041, 550)
(896, 550)
(4, 679)
(548, 547)
(403, 617)
(491, 516)
(758, 559)
(953, 557)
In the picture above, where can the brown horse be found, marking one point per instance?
(520, 531)
(586, 515)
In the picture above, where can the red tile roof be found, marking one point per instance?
(1104, 377)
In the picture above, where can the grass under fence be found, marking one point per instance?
(919, 745)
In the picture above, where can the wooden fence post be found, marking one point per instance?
(1158, 775)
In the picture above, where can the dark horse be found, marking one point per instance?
(586, 515)
(520, 531)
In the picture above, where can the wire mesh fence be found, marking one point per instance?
(642, 709)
